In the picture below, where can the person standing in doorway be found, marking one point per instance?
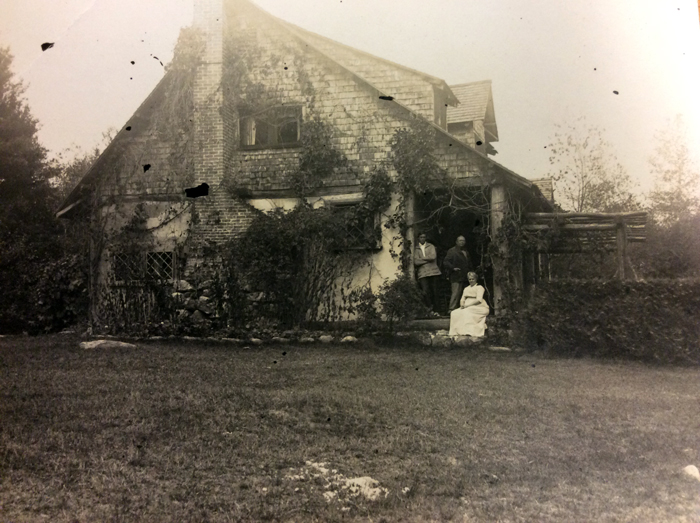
(457, 265)
(425, 261)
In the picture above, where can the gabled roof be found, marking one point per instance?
(89, 179)
(475, 103)
(327, 50)
(473, 99)
(365, 64)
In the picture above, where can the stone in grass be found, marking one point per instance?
(423, 338)
(325, 338)
(279, 339)
(465, 341)
(306, 339)
(499, 349)
(442, 341)
(256, 341)
(349, 339)
(106, 344)
(692, 471)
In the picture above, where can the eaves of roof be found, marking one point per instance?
(76, 196)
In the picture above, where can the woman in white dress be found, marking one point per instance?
(470, 318)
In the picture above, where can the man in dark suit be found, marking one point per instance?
(457, 264)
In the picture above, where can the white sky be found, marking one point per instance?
(550, 61)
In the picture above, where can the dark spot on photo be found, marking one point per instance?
(390, 98)
(46, 45)
(479, 142)
(284, 354)
(285, 67)
(196, 192)
(132, 62)
(328, 419)
(616, 92)
(128, 128)
(146, 167)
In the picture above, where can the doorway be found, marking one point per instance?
(442, 225)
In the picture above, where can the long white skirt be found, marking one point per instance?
(469, 322)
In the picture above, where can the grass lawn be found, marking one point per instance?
(197, 432)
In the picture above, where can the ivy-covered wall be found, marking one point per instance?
(190, 131)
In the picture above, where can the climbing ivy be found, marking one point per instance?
(318, 159)
(417, 169)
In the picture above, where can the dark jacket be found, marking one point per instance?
(456, 258)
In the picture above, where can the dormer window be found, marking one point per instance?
(274, 127)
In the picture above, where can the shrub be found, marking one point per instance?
(60, 298)
(653, 320)
(401, 301)
(290, 264)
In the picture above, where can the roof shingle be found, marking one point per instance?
(473, 102)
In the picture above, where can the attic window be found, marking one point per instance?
(275, 127)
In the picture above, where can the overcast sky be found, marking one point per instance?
(550, 61)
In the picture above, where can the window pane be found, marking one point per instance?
(159, 265)
(289, 132)
(277, 125)
(127, 266)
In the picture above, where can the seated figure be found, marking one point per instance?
(470, 318)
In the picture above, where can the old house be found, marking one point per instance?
(220, 138)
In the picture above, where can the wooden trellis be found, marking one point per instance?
(581, 232)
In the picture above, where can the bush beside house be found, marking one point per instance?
(649, 320)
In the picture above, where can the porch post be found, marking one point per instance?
(498, 207)
(411, 233)
(621, 248)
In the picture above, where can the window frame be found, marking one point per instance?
(248, 125)
(364, 243)
(140, 267)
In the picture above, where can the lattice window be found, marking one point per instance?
(140, 266)
(159, 265)
(127, 266)
(359, 232)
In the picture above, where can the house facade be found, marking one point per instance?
(220, 139)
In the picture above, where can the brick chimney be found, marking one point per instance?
(208, 97)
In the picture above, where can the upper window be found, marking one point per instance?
(275, 127)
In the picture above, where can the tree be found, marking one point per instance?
(587, 174)
(29, 231)
(672, 248)
(676, 176)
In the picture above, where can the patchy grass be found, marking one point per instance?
(174, 432)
